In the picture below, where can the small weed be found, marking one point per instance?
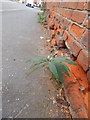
(42, 18)
(56, 65)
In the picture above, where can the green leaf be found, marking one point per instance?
(37, 59)
(63, 59)
(37, 66)
(59, 70)
(67, 67)
(64, 69)
(53, 69)
(70, 62)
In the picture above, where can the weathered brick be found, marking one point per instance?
(80, 74)
(73, 5)
(83, 59)
(73, 93)
(80, 5)
(75, 48)
(62, 4)
(81, 114)
(78, 17)
(85, 39)
(88, 75)
(77, 31)
(65, 35)
(68, 13)
(69, 41)
(86, 100)
(65, 13)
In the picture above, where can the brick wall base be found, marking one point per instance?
(68, 26)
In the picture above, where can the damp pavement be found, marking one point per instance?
(22, 38)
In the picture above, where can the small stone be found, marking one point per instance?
(57, 95)
(81, 88)
(17, 99)
(41, 37)
(54, 101)
(8, 100)
(27, 105)
(48, 40)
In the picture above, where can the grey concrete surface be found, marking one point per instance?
(0, 63)
(22, 96)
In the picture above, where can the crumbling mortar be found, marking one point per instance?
(84, 19)
(76, 10)
(85, 5)
(71, 21)
(84, 47)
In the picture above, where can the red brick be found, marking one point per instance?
(77, 31)
(73, 93)
(72, 5)
(69, 80)
(69, 41)
(89, 104)
(78, 17)
(65, 13)
(66, 5)
(85, 39)
(75, 48)
(88, 75)
(72, 90)
(65, 35)
(86, 100)
(62, 4)
(81, 114)
(68, 13)
(80, 5)
(80, 74)
(83, 59)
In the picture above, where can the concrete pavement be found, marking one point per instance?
(25, 97)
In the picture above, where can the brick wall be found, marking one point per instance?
(69, 26)
(68, 21)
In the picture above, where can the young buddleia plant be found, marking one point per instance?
(56, 66)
